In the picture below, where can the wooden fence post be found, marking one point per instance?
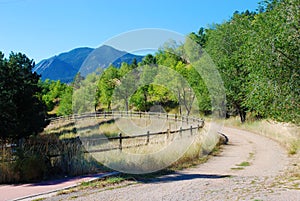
(120, 141)
(148, 137)
(191, 130)
(168, 133)
(202, 124)
(180, 132)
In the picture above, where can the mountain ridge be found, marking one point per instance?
(85, 60)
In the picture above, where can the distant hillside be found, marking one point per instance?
(84, 60)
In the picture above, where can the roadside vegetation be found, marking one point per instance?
(256, 53)
(286, 134)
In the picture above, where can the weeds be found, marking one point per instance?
(237, 168)
(244, 164)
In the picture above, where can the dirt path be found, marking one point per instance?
(249, 168)
(46, 188)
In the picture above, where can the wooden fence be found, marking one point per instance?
(121, 137)
(192, 126)
(116, 114)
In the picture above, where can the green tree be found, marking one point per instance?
(106, 85)
(22, 112)
(141, 98)
(85, 98)
(226, 45)
(65, 106)
(200, 37)
(274, 60)
(126, 85)
(52, 92)
(149, 59)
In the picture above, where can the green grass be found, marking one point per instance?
(237, 168)
(103, 182)
(109, 182)
(243, 164)
(39, 199)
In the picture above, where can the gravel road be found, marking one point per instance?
(250, 167)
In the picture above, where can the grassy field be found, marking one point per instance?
(179, 149)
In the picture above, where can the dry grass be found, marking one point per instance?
(288, 135)
(137, 154)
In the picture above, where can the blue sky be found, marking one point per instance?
(43, 28)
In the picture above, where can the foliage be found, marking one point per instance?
(226, 46)
(85, 97)
(65, 105)
(107, 83)
(22, 112)
(256, 57)
(274, 60)
(52, 92)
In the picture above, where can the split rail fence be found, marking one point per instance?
(189, 124)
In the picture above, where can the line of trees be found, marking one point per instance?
(256, 54)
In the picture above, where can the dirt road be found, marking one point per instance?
(250, 167)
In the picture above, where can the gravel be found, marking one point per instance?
(224, 177)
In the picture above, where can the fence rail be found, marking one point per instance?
(193, 123)
(122, 137)
(116, 114)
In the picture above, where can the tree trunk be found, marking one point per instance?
(109, 106)
(242, 115)
(126, 105)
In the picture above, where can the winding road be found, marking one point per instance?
(250, 167)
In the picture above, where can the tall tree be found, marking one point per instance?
(274, 60)
(226, 45)
(200, 37)
(106, 85)
(22, 112)
(65, 106)
(126, 84)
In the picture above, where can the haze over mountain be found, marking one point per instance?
(85, 60)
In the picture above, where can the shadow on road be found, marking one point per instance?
(67, 179)
(182, 177)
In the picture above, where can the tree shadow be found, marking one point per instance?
(182, 177)
(66, 179)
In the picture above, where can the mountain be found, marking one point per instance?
(104, 56)
(66, 65)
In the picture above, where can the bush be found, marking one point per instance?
(32, 168)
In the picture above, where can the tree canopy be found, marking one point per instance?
(255, 53)
(22, 112)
